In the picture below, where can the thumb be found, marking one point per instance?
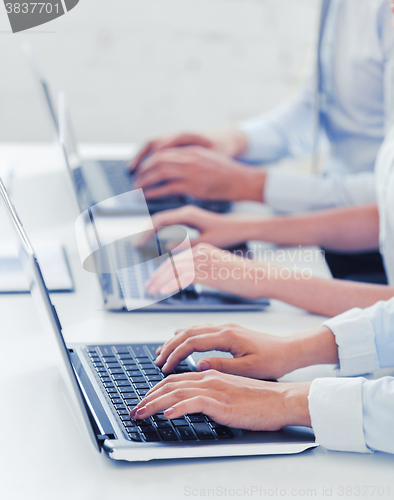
(233, 366)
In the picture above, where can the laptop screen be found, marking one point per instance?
(14, 237)
(37, 71)
(72, 157)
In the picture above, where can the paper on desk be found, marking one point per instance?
(53, 262)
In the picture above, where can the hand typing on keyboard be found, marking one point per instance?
(229, 400)
(256, 354)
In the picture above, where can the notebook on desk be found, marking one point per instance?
(106, 381)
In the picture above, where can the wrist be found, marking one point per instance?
(315, 348)
(231, 142)
(253, 183)
(295, 402)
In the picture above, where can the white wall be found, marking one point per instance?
(137, 68)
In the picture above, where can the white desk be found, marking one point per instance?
(45, 453)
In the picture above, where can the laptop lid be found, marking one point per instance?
(42, 81)
(13, 231)
(71, 155)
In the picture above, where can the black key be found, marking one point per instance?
(148, 365)
(134, 373)
(120, 376)
(119, 406)
(168, 435)
(111, 390)
(145, 424)
(154, 383)
(123, 383)
(91, 351)
(181, 369)
(109, 359)
(151, 436)
(159, 417)
(151, 372)
(131, 402)
(155, 378)
(137, 380)
(129, 389)
(113, 365)
(162, 424)
(184, 364)
(141, 385)
(105, 378)
(123, 412)
(179, 422)
(215, 424)
(186, 434)
(143, 392)
(117, 401)
(109, 385)
(122, 349)
(115, 370)
(203, 431)
(223, 433)
(134, 436)
(142, 359)
(129, 365)
(125, 417)
(196, 417)
(95, 358)
(101, 369)
(124, 356)
(129, 424)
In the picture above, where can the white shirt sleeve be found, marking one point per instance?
(356, 414)
(289, 192)
(365, 338)
(353, 414)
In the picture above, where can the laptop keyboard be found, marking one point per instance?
(126, 374)
(120, 178)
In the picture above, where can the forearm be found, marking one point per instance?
(321, 296)
(335, 229)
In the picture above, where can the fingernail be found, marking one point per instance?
(157, 360)
(133, 412)
(169, 412)
(204, 365)
(141, 411)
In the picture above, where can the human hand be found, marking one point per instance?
(256, 355)
(199, 172)
(215, 229)
(229, 400)
(229, 142)
(214, 267)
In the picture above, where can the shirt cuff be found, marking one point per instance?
(355, 338)
(336, 411)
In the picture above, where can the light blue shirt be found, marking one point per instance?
(357, 109)
(384, 174)
(356, 414)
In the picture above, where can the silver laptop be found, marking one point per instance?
(127, 266)
(106, 381)
(108, 178)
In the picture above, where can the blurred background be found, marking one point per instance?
(133, 69)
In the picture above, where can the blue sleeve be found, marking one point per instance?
(285, 131)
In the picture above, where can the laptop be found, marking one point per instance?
(104, 179)
(106, 380)
(126, 266)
